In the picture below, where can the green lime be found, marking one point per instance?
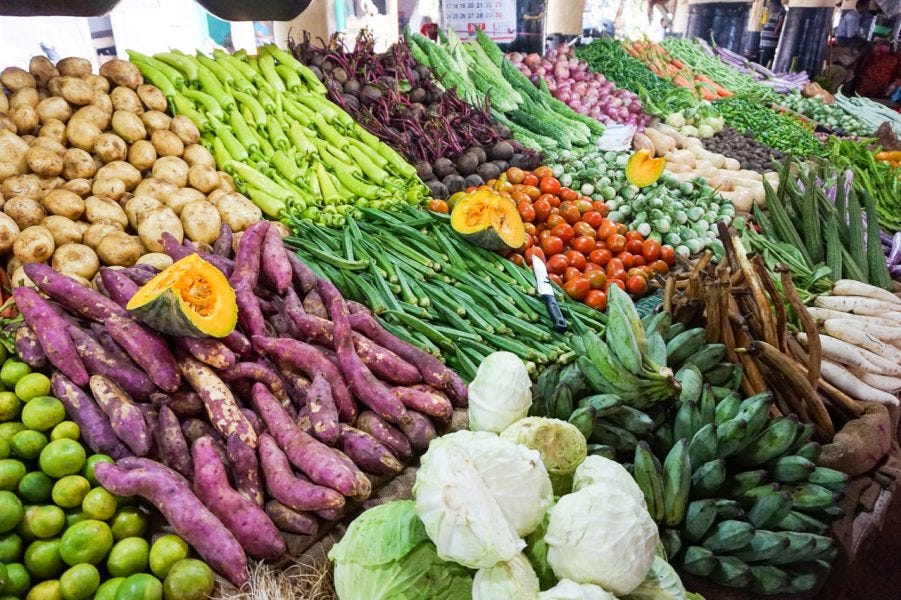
(45, 590)
(70, 491)
(140, 586)
(62, 457)
(11, 511)
(45, 521)
(32, 385)
(166, 551)
(28, 444)
(129, 521)
(43, 412)
(79, 582)
(4, 448)
(108, 590)
(35, 487)
(128, 556)
(10, 428)
(10, 406)
(65, 430)
(18, 581)
(189, 579)
(74, 516)
(11, 473)
(10, 547)
(3, 578)
(42, 558)
(99, 504)
(86, 542)
(4, 354)
(12, 371)
(88, 469)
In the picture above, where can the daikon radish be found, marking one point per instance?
(820, 315)
(892, 385)
(845, 380)
(890, 335)
(860, 338)
(850, 287)
(858, 305)
(855, 357)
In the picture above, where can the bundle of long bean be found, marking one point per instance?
(779, 131)
(780, 82)
(269, 124)
(692, 55)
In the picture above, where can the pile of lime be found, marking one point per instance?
(62, 536)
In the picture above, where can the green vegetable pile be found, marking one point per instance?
(775, 130)
(876, 179)
(689, 52)
(830, 115)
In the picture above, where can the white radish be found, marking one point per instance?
(860, 306)
(850, 287)
(891, 335)
(860, 338)
(851, 355)
(822, 314)
(892, 385)
(845, 380)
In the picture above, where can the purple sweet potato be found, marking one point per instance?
(426, 400)
(292, 300)
(292, 491)
(28, 348)
(387, 435)
(247, 521)
(171, 247)
(183, 404)
(172, 445)
(245, 469)
(291, 521)
(194, 429)
(254, 420)
(275, 261)
(295, 383)
(209, 351)
(52, 334)
(257, 372)
(238, 343)
(282, 325)
(364, 385)
(221, 407)
(250, 314)
(223, 244)
(368, 453)
(420, 431)
(118, 286)
(355, 308)
(103, 336)
(433, 371)
(315, 459)
(247, 258)
(94, 424)
(310, 360)
(100, 361)
(147, 349)
(302, 275)
(71, 294)
(126, 419)
(313, 304)
(322, 411)
(170, 493)
(331, 514)
(226, 265)
(140, 274)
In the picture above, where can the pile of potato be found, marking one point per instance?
(93, 171)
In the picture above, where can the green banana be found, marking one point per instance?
(769, 510)
(674, 330)
(656, 321)
(729, 536)
(702, 447)
(620, 301)
(584, 419)
(834, 510)
(802, 582)
(603, 404)
(802, 523)
(721, 393)
(792, 469)
(724, 374)
(692, 382)
(676, 483)
(825, 547)
(766, 579)
(611, 435)
(698, 560)
(812, 496)
(699, 517)
(671, 540)
(708, 478)
(687, 421)
(663, 440)
(727, 408)
(756, 411)
(685, 344)
(764, 546)
(739, 483)
(755, 494)
(773, 442)
(730, 571)
(728, 509)
(707, 406)
(810, 451)
(805, 432)
(707, 357)
(656, 354)
(801, 547)
(596, 381)
(621, 340)
(731, 437)
(564, 403)
(602, 450)
(828, 478)
(649, 480)
(633, 420)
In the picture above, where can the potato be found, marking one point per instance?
(9, 231)
(152, 97)
(120, 169)
(6, 122)
(155, 188)
(34, 244)
(64, 230)
(129, 126)
(110, 147)
(78, 164)
(103, 102)
(171, 169)
(155, 120)
(53, 107)
(80, 186)
(157, 221)
(93, 114)
(55, 85)
(44, 162)
(64, 203)
(179, 198)
(47, 144)
(76, 91)
(195, 154)
(82, 133)
(24, 211)
(226, 182)
(201, 221)
(138, 206)
(26, 96)
(119, 249)
(142, 155)
(4, 101)
(185, 129)
(53, 129)
(48, 184)
(26, 119)
(98, 83)
(203, 178)
(167, 143)
(14, 79)
(42, 69)
(100, 208)
(22, 185)
(122, 73)
(213, 197)
(74, 66)
(19, 278)
(126, 99)
(75, 259)
(156, 259)
(237, 211)
(282, 229)
(6, 171)
(27, 138)
(12, 148)
(95, 233)
(109, 187)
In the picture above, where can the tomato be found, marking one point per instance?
(596, 299)
(614, 264)
(600, 256)
(626, 258)
(531, 191)
(544, 235)
(530, 228)
(650, 249)
(571, 214)
(601, 244)
(503, 186)
(515, 175)
(591, 267)
(634, 235)
(668, 255)
(527, 243)
(557, 264)
(577, 288)
(520, 196)
(622, 229)
(554, 220)
(583, 229)
(530, 179)
(660, 266)
(584, 244)
(564, 232)
(607, 229)
(619, 282)
(570, 273)
(568, 194)
(556, 279)
(616, 243)
(552, 245)
(576, 259)
(593, 218)
(543, 171)
(637, 272)
(634, 246)
(639, 261)
(526, 211)
(637, 285)
(533, 251)
(542, 210)
(600, 207)
(517, 260)
(584, 205)
(597, 279)
(437, 205)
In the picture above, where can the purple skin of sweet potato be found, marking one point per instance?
(147, 349)
(310, 360)
(319, 462)
(364, 385)
(245, 469)
(208, 351)
(183, 404)
(247, 521)
(420, 431)
(247, 258)
(425, 400)
(301, 274)
(275, 261)
(257, 372)
(238, 343)
(100, 361)
(226, 265)
(172, 445)
(71, 294)
(221, 407)
(313, 304)
(293, 300)
(109, 344)
(29, 348)
(390, 437)
(126, 419)
(139, 274)
(194, 429)
(171, 247)
(322, 411)
(283, 326)
(331, 514)
(295, 383)
(433, 371)
(284, 486)
(52, 334)
(172, 496)
(291, 521)
(94, 424)
(223, 244)
(368, 453)
(250, 314)
(119, 287)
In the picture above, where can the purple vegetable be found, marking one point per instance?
(419, 431)
(28, 348)
(223, 244)
(100, 361)
(275, 261)
(287, 488)
(208, 351)
(125, 417)
(302, 275)
(71, 294)
(386, 434)
(172, 445)
(147, 349)
(368, 453)
(254, 420)
(247, 259)
(312, 304)
(141, 276)
(119, 287)
(425, 400)
(250, 315)
(322, 412)
(238, 343)
(171, 247)
(52, 334)
(106, 340)
(291, 521)
(257, 372)
(245, 469)
(221, 407)
(894, 256)
(183, 404)
(95, 426)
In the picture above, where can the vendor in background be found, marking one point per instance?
(772, 28)
(849, 32)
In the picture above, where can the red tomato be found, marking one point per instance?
(439, 206)
(530, 179)
(634, 246)
(577, 288)
(584, 244)
(520, 196)
(556, 279)
(596, 299)
(533, 251)
(543, 171)
(554, 220)
(531, 191)
(582, 228)
(542, 210)
(650, 249)
(576, 259)
(668, 255)
(527, 243)
(564, 232)
(557, 264)
(660, 266)
(515, 175)
(571, 273)
(619, 282)
(617, 274)
(597, 279)
(526, 211)
(549, 185)
(600, 207)
(518, 260)
(593, 218)
(600, 256)
(606, 229)
(634, 235)
(637, 285)
(600, 244)
(637, 272)
(590, 267)
(627, 258)
(568, 194)
(552, 245)
(622, 229)
(639, 261)
(530, 228)
(616, 243)
(545, 234)
(571, 214)
(614, 264)
(584, 205)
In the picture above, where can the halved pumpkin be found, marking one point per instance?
(191, 298)
(488, 220)
(642, 170)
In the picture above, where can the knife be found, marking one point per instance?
(547, 294)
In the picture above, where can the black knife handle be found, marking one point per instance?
(558, 321)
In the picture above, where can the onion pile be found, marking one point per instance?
(570, 81)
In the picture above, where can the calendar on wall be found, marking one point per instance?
(497, 18)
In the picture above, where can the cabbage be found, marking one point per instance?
(597, 469)
(512, 579)
(387, 554)
(570, 590)
(602, 535)
(478, 494)
(500, 394)
(561, 445)
(662, 583)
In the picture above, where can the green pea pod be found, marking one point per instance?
(185, 64)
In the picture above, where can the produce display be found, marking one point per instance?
(780, 82)
(872, 178)
(869, 112)
(750, 153)
(691, 53)
(832, 116)
(780, 131)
